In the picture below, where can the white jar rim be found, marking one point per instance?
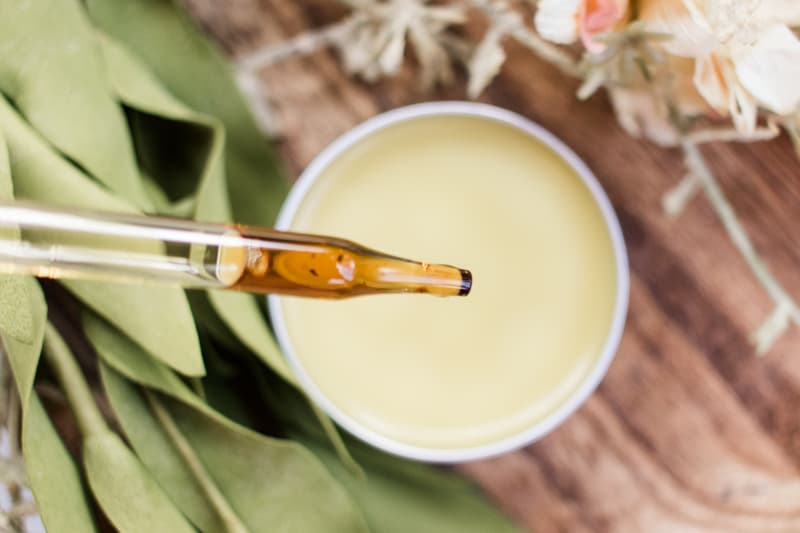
(600, 366)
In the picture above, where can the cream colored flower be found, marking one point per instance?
(563, 21)
(746, 56)
(374, 43)
(643, 111)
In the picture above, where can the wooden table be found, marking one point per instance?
(690, 431)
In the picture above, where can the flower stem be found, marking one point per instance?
(546, 51)
(527, 37)
(785, 307)
(227, 515)
(302, 44)
(674, 201)
(79, 396)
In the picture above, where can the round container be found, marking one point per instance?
(592, 377)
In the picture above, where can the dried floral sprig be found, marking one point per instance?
(786, 309)
(664, 63)
(371, 40)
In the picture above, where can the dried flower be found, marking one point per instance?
(489, 56)
(374, 43)
(651, 110)
(563, 21)
(745, 54)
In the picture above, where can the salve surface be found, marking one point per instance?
(453, 373)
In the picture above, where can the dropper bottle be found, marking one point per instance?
(75, 244)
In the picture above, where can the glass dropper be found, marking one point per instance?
(59, 243)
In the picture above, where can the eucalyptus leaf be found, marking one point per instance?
(138, 88)
(22, 331)
(128, 494)
(239, 407)
(400, 496)
(123, 488)
(40, 173)
(273, 485)
(135, 84)
(301, 494)
(155, 450)
(159, 318)
(123, 356)
(209, 322)
(6, 185)
(177, 147)
(241, 314)
(53, 71)
(193, 70)
(397, 495)
(53, 476)
(22, 306)
(159, 146)
(127, 357)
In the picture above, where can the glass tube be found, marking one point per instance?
(73, 244)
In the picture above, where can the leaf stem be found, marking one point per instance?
(230, 520)
(68, 374)
(338, 443)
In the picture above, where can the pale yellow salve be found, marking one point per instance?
(458, 372)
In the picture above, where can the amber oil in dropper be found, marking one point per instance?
(75, 244)
(326, 267)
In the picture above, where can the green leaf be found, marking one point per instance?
(125, 490)
(157, 452)
(23, 311)
(398, 495)
(126, 357)
(209, 322)
(135, 84)
(159, 318)
(128, 494)
(272, 484)
(241, 314)
(6, 186)
(22, 331)
(40, 173)
(120, 355)
(53, 71)
(193, 70)
(302, 497)
(53, 476)
(16, 319)
(138, 88)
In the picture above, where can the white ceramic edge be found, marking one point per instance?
(590, 382)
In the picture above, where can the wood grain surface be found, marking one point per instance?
(690, 431)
